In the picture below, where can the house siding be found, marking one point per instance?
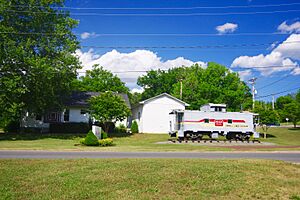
(155, 114)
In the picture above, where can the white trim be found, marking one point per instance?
(164, 94)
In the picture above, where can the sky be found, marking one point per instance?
(262, 36)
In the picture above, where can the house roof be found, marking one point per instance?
(161, 95)
(215, 105)
(80, 99)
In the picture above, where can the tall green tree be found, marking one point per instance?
(108, 107)
(37, 62)
(215, 84)
(292, 111)
(100, 80)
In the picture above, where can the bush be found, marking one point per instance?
(134, 127)
(120, 129)
(71, 127)
(91, 139)
(12, 127)
(106, 142)
(103, 135)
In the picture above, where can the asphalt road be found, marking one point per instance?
(285, 156)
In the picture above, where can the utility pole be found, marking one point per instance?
(273, 102)
(180, 89)
(252, 82)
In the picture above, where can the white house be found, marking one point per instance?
(76, 111)
(152, 115)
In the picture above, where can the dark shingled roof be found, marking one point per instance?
(80, 99)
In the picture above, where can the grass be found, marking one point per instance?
(283, 136)
(137, 142)
(148, 179)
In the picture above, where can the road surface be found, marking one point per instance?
(285, 156)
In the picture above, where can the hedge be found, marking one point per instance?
(71, 127)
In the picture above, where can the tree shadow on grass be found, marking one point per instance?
(261, 135)
(294, 129)
(118, 135)
(37, 136)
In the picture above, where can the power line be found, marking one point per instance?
(266, 67)
(186, 47)
(165, 8)
(275, 82)
(259, 97)
(159, 14)
(150, 34)
(142, 71)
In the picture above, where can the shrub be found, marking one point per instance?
(134, 127)
(70, 127)
(12, 127)
(106, 142)
(103, 135)
(91, 139)
(120, 129)
(82, 140)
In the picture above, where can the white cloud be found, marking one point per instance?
(139, 60)
(86, 35)
(292, 28)
(137, 90)
(227, 28)
(244, 75)
(296, 71)
(290, 47)
(283, 55)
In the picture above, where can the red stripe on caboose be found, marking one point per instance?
(213, 120)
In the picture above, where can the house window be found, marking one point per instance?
(53, 117)
(83, 111)
(139, 115)
(206, 120)
(218, 109)
(67, 115)
(229, 121)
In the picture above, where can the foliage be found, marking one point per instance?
(215, 84)
(71, 127)
(12, 127)
(108, 107)
(103, 135)
(106, 142)
(134, 98)
(91, 139)
(134, 127)
(100, 80)
(121, 129)
(292, 111)
(281, 101)
(36, 69)
(289, 107)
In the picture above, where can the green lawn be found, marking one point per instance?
(283, 136)
(148, 179)
(137, 142)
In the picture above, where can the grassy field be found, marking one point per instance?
(137, 142)
(148, 179)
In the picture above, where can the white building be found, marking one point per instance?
(76, 111)
(152, 115)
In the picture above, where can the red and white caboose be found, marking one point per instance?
(212, 120)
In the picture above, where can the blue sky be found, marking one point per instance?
(92, 25)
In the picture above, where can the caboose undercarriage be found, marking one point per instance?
(210, 136)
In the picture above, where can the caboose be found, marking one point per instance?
(212, 120)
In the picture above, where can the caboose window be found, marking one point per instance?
(229, 121)
(206, 120)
